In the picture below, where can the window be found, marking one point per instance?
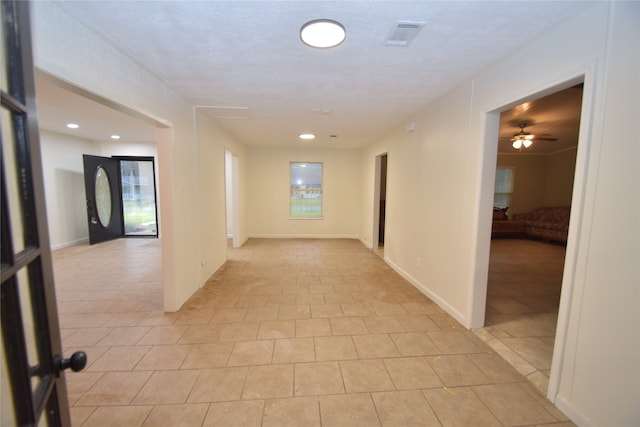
(503, 188)
(306, 190)
(139, 196)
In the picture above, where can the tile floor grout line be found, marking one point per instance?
(354, 287)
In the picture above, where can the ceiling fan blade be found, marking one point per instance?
(544, 138)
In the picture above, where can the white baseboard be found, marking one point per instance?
(428, 293)
(575, 416)
(365, 243)
(303, 236)
(67, 244)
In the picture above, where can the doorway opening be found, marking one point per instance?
(232, 199)
(141, 134)
(139, 206)
(529, 233)
(121, 197)
(380, 204)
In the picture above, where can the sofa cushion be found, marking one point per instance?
(546, 223)
(546, 214)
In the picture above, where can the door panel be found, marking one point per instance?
(104, 203)
(33, 385)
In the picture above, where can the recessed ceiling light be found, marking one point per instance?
(72, 126)
(115, 136)
(322, 33)
(307, 136)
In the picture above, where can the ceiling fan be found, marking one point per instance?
(525, 139)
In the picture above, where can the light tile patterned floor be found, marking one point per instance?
(525, 279)
(287, 333)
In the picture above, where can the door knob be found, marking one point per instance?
(76, 362)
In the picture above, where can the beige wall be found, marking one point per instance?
(559, 181)
(529, 181)
(212, 143)
(438, 230)
(68, 50)
(427, 196)
(268, 183)
(64, 187)
(540, 180)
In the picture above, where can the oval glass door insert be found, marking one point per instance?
(103, 196)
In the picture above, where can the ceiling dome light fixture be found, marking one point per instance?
(307, 136)
(322, 33)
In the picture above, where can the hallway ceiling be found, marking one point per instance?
(247, 55)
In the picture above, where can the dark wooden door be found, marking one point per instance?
(104, 201)
(32, 362)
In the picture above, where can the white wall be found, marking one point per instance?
(268, 184)
(64, 187)
(426, 197)
(595, 377)
(600, 378)
(228, 183)
(128, 148)
(212, 143)
(68, 50)
(64, 181)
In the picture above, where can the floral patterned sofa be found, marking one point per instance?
(547, 223)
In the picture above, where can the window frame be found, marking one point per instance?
(291, 191)
(511, 189)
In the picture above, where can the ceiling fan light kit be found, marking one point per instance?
(522, 139)
(518, 143)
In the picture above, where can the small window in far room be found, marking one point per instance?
(503, 188)
(306, 190)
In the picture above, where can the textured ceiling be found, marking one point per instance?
(59, 105)
(248, 54)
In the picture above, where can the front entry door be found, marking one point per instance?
(33, 390)
(104, 202)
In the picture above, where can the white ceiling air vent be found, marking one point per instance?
(403, 32)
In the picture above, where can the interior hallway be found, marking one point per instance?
(288, 332)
